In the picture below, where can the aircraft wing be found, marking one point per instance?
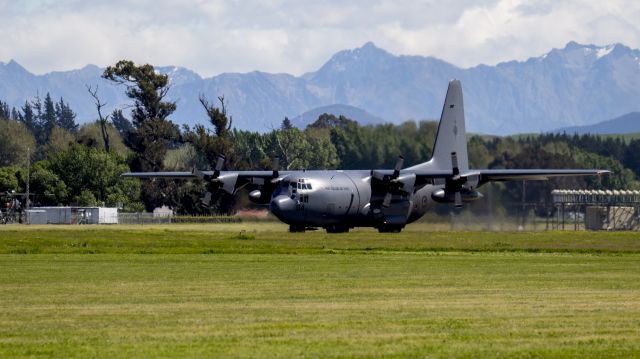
(187, 175)
(229, 181)
(532, 174)
(176, 175)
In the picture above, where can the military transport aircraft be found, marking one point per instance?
(381, 198)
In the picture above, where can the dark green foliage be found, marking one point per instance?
(65, 117)
(153, 133)
(327, 120)
(9, 179)
(83, 169)
(28, 117)
(5, 111)
(631, 157)
(286, 124)
(145, 87)
(15, 141)
(123, 125)
(379, 146)
(49, 189)
(41, 118)
(48, 118)
(218, 117)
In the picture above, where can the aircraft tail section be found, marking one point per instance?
(451, 136)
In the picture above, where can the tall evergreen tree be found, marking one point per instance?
(65, 117)
(5, 112)
(15, 114)
(38, 117)
(28, 117)
(48, 118)
(286, 124)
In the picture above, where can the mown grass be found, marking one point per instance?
(269, 238)
(249, 291)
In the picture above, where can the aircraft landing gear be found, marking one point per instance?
(337, 229)
(389, 229)
(296, 228)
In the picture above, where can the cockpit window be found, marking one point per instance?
(309, 186)
(285, 184)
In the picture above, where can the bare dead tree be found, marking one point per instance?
(102, 120)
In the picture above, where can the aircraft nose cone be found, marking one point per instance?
(280, 205)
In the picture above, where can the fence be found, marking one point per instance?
(150, 218)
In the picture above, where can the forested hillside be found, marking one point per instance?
(82, 165)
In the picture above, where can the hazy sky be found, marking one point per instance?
(297, 36)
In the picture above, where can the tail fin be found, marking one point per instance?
(451, 137)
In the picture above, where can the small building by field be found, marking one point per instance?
(72, 215)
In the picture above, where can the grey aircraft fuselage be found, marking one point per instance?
(344, 199)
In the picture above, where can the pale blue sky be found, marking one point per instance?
(297, 36)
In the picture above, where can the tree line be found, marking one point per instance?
(81, 165)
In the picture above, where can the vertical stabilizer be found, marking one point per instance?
(451, 137)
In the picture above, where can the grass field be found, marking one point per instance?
(254, 290)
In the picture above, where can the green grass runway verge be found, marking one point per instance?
(253, 290)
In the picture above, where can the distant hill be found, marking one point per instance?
(573, 86)
(629, 123)
(353, 113)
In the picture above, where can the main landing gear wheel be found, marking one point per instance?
(389, 229)
(337, 229)
(295, 228)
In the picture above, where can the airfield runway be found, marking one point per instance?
(254, 290)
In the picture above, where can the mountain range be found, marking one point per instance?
(572, 86)
(629, 123)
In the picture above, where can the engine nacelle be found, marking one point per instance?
(441, 196)
(259, 196)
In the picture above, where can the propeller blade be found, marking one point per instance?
(219, 165)
(387, 200)
(458, 200)
(454, 165)
(377, 175)
(275, 164)
(206, 200)
(398, 167)
(196, 172)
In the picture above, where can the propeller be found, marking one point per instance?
(212, 184)
(391, 184)
(458, 187)
(395, 182)
(263, 195)
(455, 181)
(216, 181)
